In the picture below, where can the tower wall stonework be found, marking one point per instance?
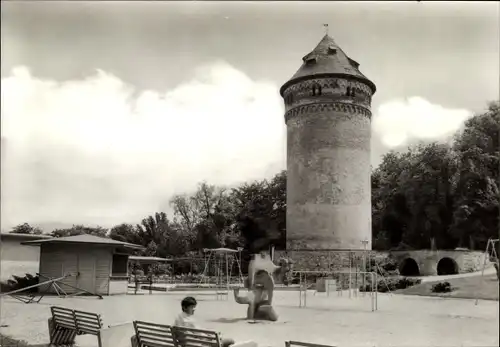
(328, 164)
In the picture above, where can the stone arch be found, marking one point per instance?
(409, 267)
(447, 266)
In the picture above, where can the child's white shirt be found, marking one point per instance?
(185, 320)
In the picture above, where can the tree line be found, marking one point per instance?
(434, 195)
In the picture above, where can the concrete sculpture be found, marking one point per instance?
(262, 273)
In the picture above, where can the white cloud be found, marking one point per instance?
(400, 122)
(97, 151)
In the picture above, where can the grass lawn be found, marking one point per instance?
(485, 288)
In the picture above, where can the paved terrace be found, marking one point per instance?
(400, 320)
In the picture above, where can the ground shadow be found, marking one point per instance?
(227, 320)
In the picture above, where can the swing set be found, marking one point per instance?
(219, 263)
(489, 253)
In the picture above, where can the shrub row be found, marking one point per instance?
(391, 284)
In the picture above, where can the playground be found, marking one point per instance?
(336, 320)
(334, 313)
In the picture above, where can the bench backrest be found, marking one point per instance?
(153, 335)
(304, 344)
(80, 321)
(88, 322)
(63, 317)
(190, 337)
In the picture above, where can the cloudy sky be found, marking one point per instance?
(110, 108)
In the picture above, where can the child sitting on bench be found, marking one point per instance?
(185, 318)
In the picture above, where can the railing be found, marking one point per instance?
(303, 285)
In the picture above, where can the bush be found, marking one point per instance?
(386, 266)
(441, 287)
(18, 282)
(391, 284)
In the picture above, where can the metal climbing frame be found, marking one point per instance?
(490, 252)
(222, 261)
(303, 287)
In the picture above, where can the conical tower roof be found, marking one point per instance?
(327, 59)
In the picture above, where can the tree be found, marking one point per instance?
(261, 217)
(412, 197)
(166, 235)
(215, 210)
(186, 209)
(477, 193)
(26, 229)
(125, 233)
(429, 195)
(80, 230)
(440, 195)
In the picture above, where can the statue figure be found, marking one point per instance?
(262, 273)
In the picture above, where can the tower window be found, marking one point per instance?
(310, 60)
(351, 91)
(332, 50)
(316, 89)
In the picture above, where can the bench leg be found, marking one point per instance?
(133, 341)
(60, 336)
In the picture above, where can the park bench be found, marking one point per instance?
(149, 334)
(190, 337)
(304, 344)
(65, 324)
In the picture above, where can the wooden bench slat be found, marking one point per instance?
(154, 339)
(151, 334)
(151, 324)
(62, 314)
(161, 335)
(146, 342)
(84, 313)
(191, 344)
(64, 323)
(88, 325)
(155, 344)
(191, 337)
(96, 320)
(304, 344)
(196, 342)
(154, 330)
(195, 330)
(198, 338)
(71, 322)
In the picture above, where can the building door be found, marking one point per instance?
(86, 271)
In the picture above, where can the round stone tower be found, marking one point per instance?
(327, 113)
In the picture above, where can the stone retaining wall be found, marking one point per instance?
(343, 266)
